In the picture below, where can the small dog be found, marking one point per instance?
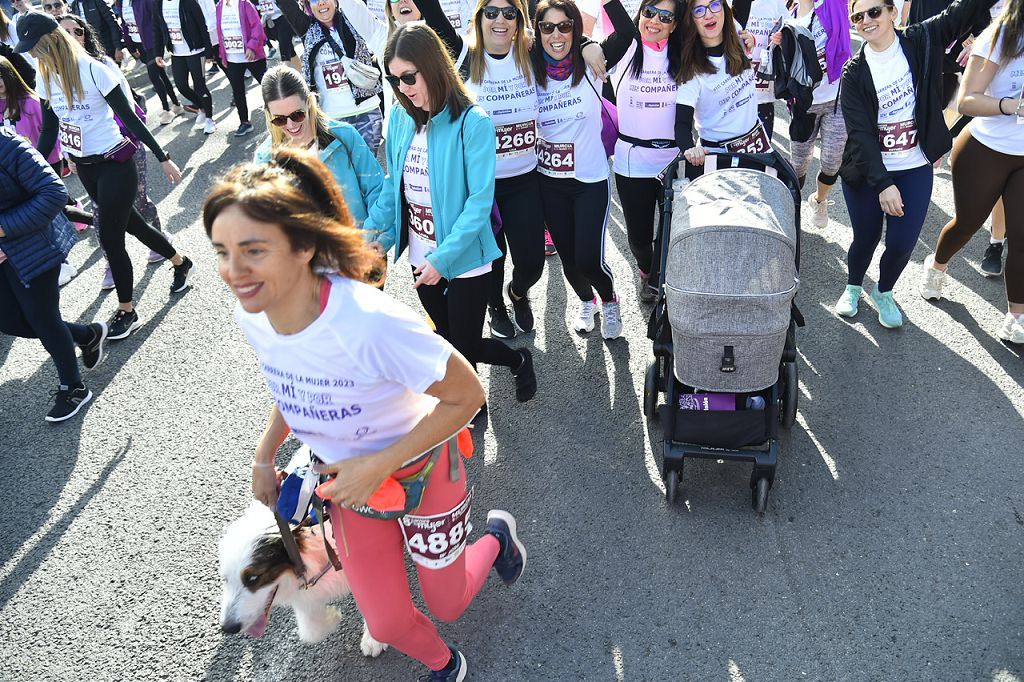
(257, 575)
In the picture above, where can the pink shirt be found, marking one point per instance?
(30, 124)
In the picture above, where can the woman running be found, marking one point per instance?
(242, 49)
(448, 233)
(180, 26)
(340, 39)
(137, 26)
(34, 240)
(571, 158)
(891, 103)
(82, 97)
(988, 160)
(388, 393)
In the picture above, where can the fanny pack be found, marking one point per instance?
(295, 500)
(361, 75)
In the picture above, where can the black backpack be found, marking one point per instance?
(794, 68)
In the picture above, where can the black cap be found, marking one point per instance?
(31, 27)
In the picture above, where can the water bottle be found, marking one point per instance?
(755, 402)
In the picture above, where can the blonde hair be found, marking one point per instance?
(58, 55)
(282, 82)
(520, 43)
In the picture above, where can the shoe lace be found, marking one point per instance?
(611, 313)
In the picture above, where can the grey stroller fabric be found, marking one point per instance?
(731, 279)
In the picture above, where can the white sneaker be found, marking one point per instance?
(200, 121)
(611, 319)
(210, 127)
(1012, 329)
(819, 210)
(166, 117)
(584, 321)
(67, 273)
(177, 109)
(931, 280)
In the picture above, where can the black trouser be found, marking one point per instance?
(576, 214)
(236, 76)
(283, 34)
(112, 187)
(457, 309)
(522, 232)
(766, 112)
(162, 85)
(639, 198)
(33, 312)
(199, 95)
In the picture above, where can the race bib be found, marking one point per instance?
(760, 84)
(234, 44)
(823, 63)
(267, 7)
(516, 138)
(897, 139)
(437, 541)
(177, 38)
(754, 142)
(133, 31)
(334, 75)
(71, 138)
(421, 222)
(556, 159)
(456, 22)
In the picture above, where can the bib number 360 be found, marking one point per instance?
(437, 541)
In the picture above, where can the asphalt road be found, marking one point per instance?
(891, 549)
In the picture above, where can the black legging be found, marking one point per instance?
(457, 309)
(766, 112)
(236, 76)
(162, 85)
(192, 65)
(577, 217)
(522, 231)
(112, 187)
(33, 312)
(283, 34)
(640, 197)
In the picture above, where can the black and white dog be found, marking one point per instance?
(257, 575)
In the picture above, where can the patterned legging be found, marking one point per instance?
(829, 124)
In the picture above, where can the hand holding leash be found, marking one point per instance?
(266, 483)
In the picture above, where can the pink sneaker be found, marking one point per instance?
(549, 246)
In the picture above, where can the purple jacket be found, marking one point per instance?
(253, 36)
(144, 17)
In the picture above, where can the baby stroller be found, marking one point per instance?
(724, 326)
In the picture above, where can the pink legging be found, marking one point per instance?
(372, 554)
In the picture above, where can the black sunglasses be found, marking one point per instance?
(665, 16)
(491, 13)
(874, 13)
(297, 116)
(79, 32)
(57, 5)
(715, 7)
(547, 28)
(408, 78)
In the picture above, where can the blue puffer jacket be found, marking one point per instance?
(37, 236)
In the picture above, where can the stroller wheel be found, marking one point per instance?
(759, 495)
(671, 485)
(651, 390)
(790, 394)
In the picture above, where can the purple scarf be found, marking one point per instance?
(559, 69)
(832, 15)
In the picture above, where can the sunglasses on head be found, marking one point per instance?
(547, 28)
(408, 78)
(873, 12)
(297, 116)
(715, 7)
(491, 13)
(665, 16)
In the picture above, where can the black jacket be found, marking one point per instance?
(193, 28)
(98, 14)
(923, 44)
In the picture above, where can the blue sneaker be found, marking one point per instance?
(889, 314)
(454, 672)
(511, 560)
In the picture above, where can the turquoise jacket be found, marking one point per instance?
(353, 165)
(460, 163)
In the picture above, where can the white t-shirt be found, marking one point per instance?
(569, 131)
(268, 9)
(1002, 133)
(764, 16)
(647, 111)
(825, 92)
(416, 185)
(351, 383)
(897, 125)
(459, 12)
(511, 103)
(172, 17)
(116, 70)
(210, 16)
(231, 29)
(724, 106)
(336, 97)
(88, 127)
(130, 23)
(376, 8)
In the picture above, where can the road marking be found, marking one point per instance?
(734, 672)
(620, 670)
(829, 461)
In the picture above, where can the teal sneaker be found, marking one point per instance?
(847, 303)
(889, 314)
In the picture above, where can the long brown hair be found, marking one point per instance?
(15, 87)
(5, 27)
(282, 82)
(579, 67)
(520, 43)
(58, 55)
(297, 192)
(1010, 25)
(695, 56)
(419, 45)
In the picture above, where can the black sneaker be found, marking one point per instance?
(992, 262)
(522, 315)
(501, 324)
(121, 324)
(526, 378)
(511, 560)
(67, 402)
(181, 273)
(92, 352)
(648, 292)
(243, 130)
(455, 671)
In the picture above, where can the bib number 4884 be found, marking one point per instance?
(437, 541)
